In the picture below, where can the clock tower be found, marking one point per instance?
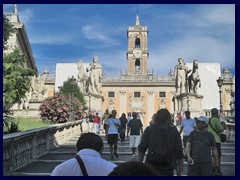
(137, 54)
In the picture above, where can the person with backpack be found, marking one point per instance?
(200, 147)
(216, 127)
(164, 145)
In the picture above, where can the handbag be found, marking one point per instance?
(222, 136)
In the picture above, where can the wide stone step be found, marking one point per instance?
(44, 165)
(45, 168)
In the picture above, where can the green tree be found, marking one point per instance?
(16, 83)
(8, 29)
(16, 79)
(73, 90)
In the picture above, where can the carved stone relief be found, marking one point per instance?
(162, 104)
(111, 104)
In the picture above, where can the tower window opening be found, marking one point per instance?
(137, 65)
(137, 43)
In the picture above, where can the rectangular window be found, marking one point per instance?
(162, 94)
(137, 94)
(111, 94)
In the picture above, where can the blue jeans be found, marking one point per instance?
(122, 133)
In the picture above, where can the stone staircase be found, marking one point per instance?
(44, 165)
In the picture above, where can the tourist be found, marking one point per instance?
(188, 125)
(216, 127)
(113, 124)
(123, 121)
(200, 145)
(104, 120)
(91, 120)
(90, 147)
(134, 127)
(163, 143)
(96, 124)
(85, 123)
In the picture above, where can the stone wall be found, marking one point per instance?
(22, 148)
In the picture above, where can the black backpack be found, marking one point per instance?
(160, 153)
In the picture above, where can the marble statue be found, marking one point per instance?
(181, 73)
(95, 77)
(82, 77)
(37, 88)
(194, 79)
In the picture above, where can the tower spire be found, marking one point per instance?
(14, 15)
(137, 18)
(15, 11)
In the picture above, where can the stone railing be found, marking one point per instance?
(230, 132)
(22, 148)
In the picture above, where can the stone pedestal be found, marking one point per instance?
(94, 102)
(191, 102)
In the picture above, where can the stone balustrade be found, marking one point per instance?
(230, 132)
(22, 148)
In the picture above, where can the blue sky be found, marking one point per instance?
(66, 33)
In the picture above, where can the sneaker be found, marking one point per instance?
(111, 158)
(116, 155)
(134, 155)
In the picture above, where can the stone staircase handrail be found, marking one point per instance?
(22, 148)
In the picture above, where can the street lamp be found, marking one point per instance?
(188, 102)
(220, 83)
(72, 82)
(89, 103)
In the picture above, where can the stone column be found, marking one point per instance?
(123, 102)
(150, 105)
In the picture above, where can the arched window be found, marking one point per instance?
(137, 65)
(137, 43)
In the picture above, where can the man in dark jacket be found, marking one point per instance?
(162, 141)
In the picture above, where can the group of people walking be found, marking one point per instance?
(162, 142)
(90, 123)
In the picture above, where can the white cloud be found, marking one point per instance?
(221, 14)
(51, 39)
(96, 32)
(205, 49)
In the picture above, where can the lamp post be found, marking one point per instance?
(72, 82)
(89, 102)
(188, 103)
(220, 83)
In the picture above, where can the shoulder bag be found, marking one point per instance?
(222, 136)
(82, 166)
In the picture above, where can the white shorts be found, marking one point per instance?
(134, 141)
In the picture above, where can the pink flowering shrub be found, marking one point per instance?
(58, 107)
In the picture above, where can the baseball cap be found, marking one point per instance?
(202, 118)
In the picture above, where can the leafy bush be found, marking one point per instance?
(58, 108)
(9, 125)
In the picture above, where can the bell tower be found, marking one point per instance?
(137, 54)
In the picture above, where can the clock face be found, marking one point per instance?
(137, 53)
